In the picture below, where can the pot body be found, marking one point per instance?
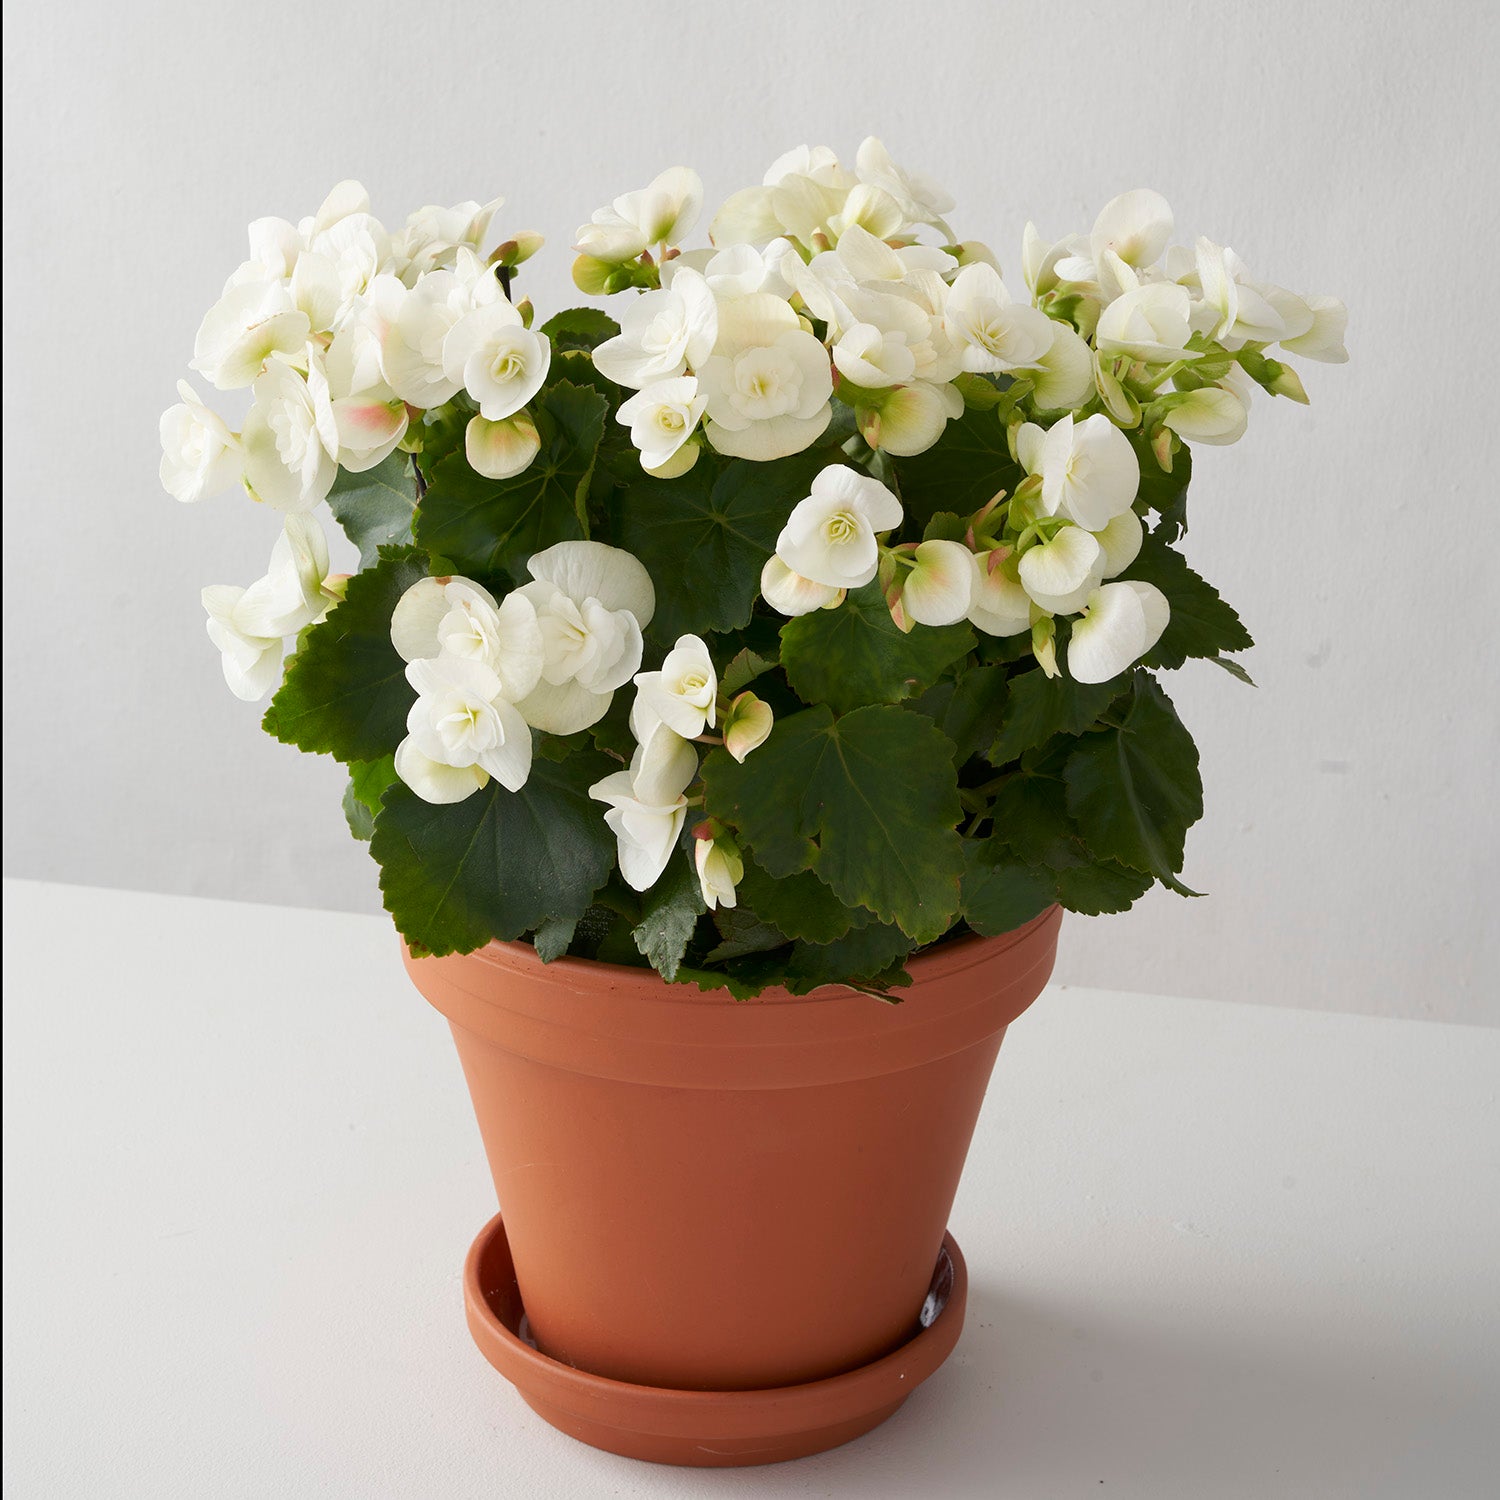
(716, 1195)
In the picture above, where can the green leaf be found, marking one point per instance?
(1030, 816)
(868, 802)
(1135, 791)
(1234, 669)
(704, 537)
(345, 692)
(1096, 889)
(858, 957)
(1000, 891)
(497, 864)
(741, 932)
(669, 913)
(855, 654)
(744, 669)
(368, 780)
(962, 471)
(579, 328)
(972, 714)
(799, 905)
(1202, 624)
(1164, 493)
(1038, 706)
(491, 526)
(553, 938)
(376, 508)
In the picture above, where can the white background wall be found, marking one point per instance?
(1350, 841)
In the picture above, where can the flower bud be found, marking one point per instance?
(747, 725)
(518, 248)
(592, 276)
(1287, 382)
(720, 870)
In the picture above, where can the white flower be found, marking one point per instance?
(413, 347)
(830, 536)
(1232, 308)
(1120, 542)
(647, 807)
(244, 328)
(998, 605)
(768, 382)
(661, 418)
(911, 419)
(1040, 261)
(662, 333)
(500, 362)
(369, 417)
(1324, 340)
(344, 198)
(199, 454)
(501, 450)
(1150, 323)
(1089, 470)
(291, 439)
(355, 250)
(455, 617)
(871, 358)
(1135, 226)
(432, 236)
(1063, 377)
(461, 731)
(1210, 414)
(939, 589)
(1120, 624)
(747, 725)
(720, 869)
(792, 594)
(993, 332)
(592, 602)
(252, 664)
(1060, 574)
(660, 214)
(921, 199)
(683, 693)
(249, 625)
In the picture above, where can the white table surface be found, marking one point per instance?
(1215, 1250)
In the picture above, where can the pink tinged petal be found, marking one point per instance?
(939, 589)
(748, 725)
(434, 782)
(503, 449)
(912, 419)
(998, 605)
(367, 426)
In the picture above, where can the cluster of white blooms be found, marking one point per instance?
(648, 801)
(550, 656)
(816, 288)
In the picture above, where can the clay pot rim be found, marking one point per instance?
(694, 1417)
(945, 957)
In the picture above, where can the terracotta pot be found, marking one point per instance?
(709, 1195)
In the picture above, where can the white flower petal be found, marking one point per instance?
(1059, 575)
(434, 782)
(1122, 622)
(592, 570)
(939, 589)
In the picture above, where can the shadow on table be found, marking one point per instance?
(1038, 1402)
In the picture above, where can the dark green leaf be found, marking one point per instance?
(1001, 892)
(799, 905)
(669, 912)
(553, 937)
(368, 780)
(973, 714)
(742, 932)
(1202, 624)
(704, 537)
(376, 508)
(1030, 816)
(855, 654)
(579, 328)
(1099, 888)
(746, 666)
(1135, 791)
(497, 864)
(490, 526)
(858, 957)
(1233, 668)
(963, 471)
(869, 802)
(1164, 493)
(345, 692)
(1038, 706)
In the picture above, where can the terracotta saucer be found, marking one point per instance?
(706, 1429)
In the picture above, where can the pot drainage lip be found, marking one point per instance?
(695, 1427)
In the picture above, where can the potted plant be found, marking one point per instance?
(781, 642)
